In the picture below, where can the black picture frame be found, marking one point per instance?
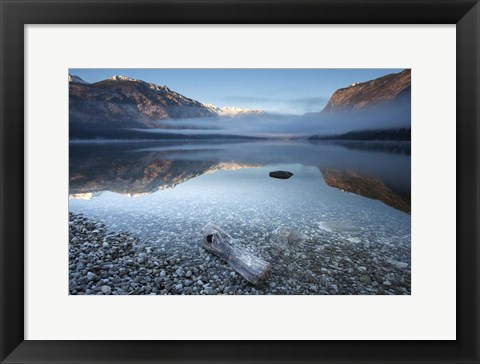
(15, 14)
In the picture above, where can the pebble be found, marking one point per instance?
(365, 279)
(180, 272)
(399, 265)
(118, 263)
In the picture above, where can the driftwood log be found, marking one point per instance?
(252, 268)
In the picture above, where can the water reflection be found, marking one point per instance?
(376, 170)
(350, 206)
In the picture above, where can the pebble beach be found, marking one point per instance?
(103, 262)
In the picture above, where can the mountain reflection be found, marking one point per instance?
(375, 188)
(378, 171)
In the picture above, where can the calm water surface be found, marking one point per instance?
(164, 192)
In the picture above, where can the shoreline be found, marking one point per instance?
(120, 264)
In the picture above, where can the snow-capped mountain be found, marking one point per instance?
(76, 79)
(124, 102)
(123, 78)
(231, 111)
(119, 102)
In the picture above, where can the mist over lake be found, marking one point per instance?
(169, 195)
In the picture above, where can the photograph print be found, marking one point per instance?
(239, 181)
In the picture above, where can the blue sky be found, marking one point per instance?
(284, 91)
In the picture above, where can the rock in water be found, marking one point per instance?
(281, 174)
(252, 268)
(284, 238)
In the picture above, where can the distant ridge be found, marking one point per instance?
(400, 134)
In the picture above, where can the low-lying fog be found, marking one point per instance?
(277, 125)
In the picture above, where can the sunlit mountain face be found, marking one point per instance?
(392, 89)
(124, 102)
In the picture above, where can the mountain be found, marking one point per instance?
(76, 79)
(123, 102)
(378, 109)
(384, 91)
(232, 111)
(106, 109)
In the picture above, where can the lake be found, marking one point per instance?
(346, 209)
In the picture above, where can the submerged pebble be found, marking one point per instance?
(319, 263)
